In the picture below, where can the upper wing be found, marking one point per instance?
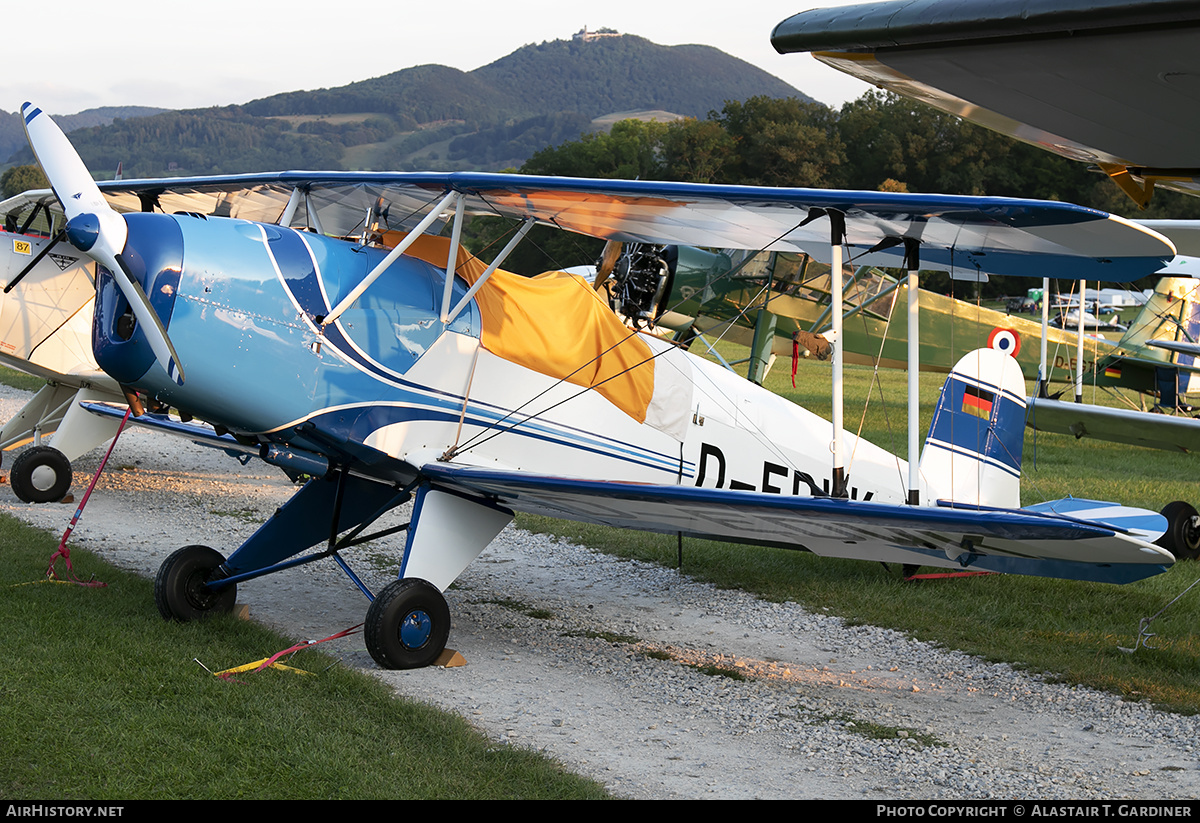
(1137, 428)
(1104, 81)
(1019, 542)
(964, 235)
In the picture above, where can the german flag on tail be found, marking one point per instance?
(978, 401)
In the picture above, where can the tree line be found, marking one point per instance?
(879, 142)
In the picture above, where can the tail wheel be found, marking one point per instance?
(179, 588)
(1182, 537)
(41, 474)
(407, 625)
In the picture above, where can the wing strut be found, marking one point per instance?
(912, 262)
(452, 256)
(394, 254)
(448, 317)
(314, 219)
(289, 211)
(1043, 373)
(1079, 344)
(837, 231)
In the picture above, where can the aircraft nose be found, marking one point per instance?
(152, 260)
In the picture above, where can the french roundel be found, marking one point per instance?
(1005, 340)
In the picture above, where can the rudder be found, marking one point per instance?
(973, 451)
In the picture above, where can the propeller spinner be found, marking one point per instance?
(93, 226)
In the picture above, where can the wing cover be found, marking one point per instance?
(557, 325)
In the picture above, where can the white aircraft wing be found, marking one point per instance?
(1177, 346)
(1136, 428)
(966, 236)
(1039, 542)
(1112, 82)
(199, 432)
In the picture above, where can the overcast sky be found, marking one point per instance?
(188, 55)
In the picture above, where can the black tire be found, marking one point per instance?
(1182, 537)
(179, 590)
(407, 625)
(41, 474)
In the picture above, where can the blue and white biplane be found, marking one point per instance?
(391, 366)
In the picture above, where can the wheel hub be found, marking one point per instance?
(415, 629)
(43, 478)
(197, 593)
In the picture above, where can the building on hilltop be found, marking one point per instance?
(585, 36)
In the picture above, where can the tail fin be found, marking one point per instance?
(973, 451)
(1172, 313)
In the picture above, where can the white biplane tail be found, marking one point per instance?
(973, 451)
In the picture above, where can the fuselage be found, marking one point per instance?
(389, 388)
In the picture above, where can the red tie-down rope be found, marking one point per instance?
(63, 551)
(270, 662)
(795, 355)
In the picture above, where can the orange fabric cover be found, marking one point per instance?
(555, 324)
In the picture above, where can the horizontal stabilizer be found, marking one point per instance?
(1144, 524)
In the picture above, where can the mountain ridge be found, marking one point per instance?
(538, 95)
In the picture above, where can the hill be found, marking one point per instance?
(433, 116)
(12, 133)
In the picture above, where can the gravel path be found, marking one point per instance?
(543, 627)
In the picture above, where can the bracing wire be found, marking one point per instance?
(483, 436)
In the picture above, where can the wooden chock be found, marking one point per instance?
(450, 659)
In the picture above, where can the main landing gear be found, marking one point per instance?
(408, 622)
(180, 588)
(41, 474)
(407, 625)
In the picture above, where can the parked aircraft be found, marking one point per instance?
(1108, 82)
(418, 372)
(761, 300)
(45, 330)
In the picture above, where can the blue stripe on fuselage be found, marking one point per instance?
(298, 270)
(246, 334)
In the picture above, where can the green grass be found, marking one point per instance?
(1071, 631)
(879, 731)
(20, 380)
(101, 699)
(522, 608)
